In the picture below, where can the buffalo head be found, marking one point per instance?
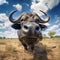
(29, 27)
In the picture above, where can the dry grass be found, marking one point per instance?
(11, 49)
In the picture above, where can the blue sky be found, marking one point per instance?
(52, 7)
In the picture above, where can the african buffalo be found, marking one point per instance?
(29, 26)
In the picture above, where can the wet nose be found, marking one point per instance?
(31, 29)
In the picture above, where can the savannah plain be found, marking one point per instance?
(12, 49)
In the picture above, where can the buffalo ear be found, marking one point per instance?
(16, 26)
(43, 27)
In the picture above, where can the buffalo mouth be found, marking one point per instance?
(30, 40)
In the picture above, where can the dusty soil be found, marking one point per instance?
(11, 49)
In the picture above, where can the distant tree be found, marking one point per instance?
(57, 36)
(2, 37)
(51, 34)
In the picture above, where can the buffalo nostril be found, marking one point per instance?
(37, 28)
(25, 27)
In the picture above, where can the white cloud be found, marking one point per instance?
(18, 6)
(9, 32)
(3, 1)
(57, 21)
(52, 3)
(4, 18)
(58, 30)
(44, 5)
(57, 34)
(8, 23)
(36, 7)
(1, 25)
(53, 27)
(1, 34)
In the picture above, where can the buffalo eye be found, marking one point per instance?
(43, 27)
(22, 20)
(25, 27)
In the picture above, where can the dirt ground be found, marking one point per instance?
(11, 49)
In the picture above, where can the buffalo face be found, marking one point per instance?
(29, 27)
